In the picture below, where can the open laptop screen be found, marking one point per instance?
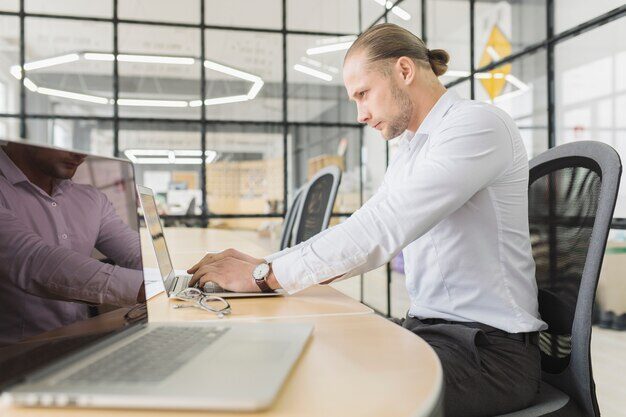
(70, 254)
(153, 224)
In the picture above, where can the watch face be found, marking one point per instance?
(261, 271)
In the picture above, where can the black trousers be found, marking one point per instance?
(487, 371)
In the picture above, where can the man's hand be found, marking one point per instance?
(230, 269)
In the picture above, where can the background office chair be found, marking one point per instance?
(572, 194)
(290, 218)
(318, 199)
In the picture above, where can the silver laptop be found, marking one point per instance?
(175, 283)
(76, 353)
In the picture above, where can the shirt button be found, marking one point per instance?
(64, 236)
(54, 204)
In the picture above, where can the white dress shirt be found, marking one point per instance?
(454, 200)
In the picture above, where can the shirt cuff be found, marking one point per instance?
(123, 287)
(276, 255)
(300, 269)
(290, 273)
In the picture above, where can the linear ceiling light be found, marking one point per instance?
(516, 82)
(319, 65)
(96, 56)
(16, 71)
(75, 96)
(329, 48)
(30, 85)
(219, 100)
(148, 59)
(152, 103)
(154, 59)
(179, 157)
(313, 72)
(252, 93)
(456, 73)
(401, 13)
(49, 62)
(229, 71)
(397, 10)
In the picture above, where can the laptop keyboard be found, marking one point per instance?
(182, 282)
(150, 358)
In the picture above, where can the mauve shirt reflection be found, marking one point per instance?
(47, 234)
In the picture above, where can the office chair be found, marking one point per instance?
(290, 217)
(189, 219)
(318, 199)
(572, 194)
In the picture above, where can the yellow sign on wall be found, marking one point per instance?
(497, 47)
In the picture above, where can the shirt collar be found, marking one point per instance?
(15, 175)
(432, 120)
(437, 113)
(10, 171)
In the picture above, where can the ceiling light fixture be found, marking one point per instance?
(16, 71)
(30, 85)
(254, 90)
(96, 56)
(319, 65)
(146, 59)
(456, 73)
(401, 13)
(313, 72)
(178, 157)
(74, 96)
(152, 103)
(225, 100)
(492, 53)
(155, 59)
(50, 62)
(397, 10)
(341, 46)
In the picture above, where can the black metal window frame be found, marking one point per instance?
(201, 122)
(548, 44)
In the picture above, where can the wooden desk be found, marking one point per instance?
(313, 302)
(356, 363)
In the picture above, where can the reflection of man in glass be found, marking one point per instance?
(49, 227)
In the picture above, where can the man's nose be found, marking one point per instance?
(363, 116)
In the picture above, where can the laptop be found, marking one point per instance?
(175, 283)
(57, 350)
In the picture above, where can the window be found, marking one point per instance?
(590, 76)
(520, 89)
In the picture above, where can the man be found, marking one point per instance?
(454, 200)
(49, 227)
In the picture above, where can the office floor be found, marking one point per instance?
(608, 350)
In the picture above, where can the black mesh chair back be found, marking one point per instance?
(318, 198)
(572, 194)
(290, 219)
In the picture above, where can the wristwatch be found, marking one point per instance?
(260, 274)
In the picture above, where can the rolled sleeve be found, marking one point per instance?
(317, 260)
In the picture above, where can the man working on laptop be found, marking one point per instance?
(49, 227)
(454, 200)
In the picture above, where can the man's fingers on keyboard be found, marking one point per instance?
(210, 258)
(205, 271)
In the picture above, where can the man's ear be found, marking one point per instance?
(406, 69)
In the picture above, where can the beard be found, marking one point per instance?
(400, 121)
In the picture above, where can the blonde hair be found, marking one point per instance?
(387, 41)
